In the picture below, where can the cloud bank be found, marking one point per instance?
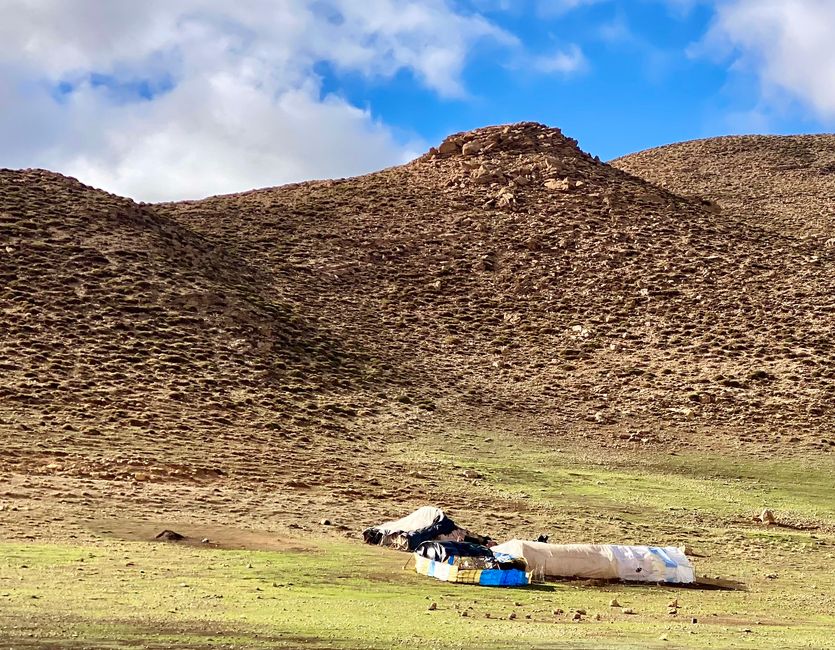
(787, 44)
(164, 100)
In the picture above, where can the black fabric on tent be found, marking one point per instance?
(477, 556)
(442, 551)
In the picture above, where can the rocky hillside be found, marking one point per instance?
(785, 183)
(504, 278)
(513, 274)
(131, 342)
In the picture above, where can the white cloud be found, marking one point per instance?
(787, 44)
(563, 62)
(166, 100)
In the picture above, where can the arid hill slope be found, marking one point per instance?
(506, 279)
(130, 341)
(786, 183)
(512, 274)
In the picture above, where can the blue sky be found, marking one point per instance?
(642, 83)
(167, 100)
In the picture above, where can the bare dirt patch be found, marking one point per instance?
(222, 537)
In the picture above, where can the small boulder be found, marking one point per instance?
(432, 607)
(326, 522)
(473, 147)
(614, 603)
(449, 146)
(505, 199)
(558, 185)
(484, 176)
(170, 536)
(767, 517)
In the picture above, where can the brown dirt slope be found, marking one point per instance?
(785, 183)
(131, 342)
(285, 334)
(513, 274)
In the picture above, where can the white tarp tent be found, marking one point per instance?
(605, 561)
(408, 532)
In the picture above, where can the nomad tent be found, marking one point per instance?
(470, 563)
(606, 561)
(424, 524)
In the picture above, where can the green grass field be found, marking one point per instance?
(342, 594)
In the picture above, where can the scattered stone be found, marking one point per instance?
(614, 603)
(505, 199)
(694, 620)
(559, 612)
(432, 607)
(558, 185)
(767, 517)
(325, 522)
(449, 146)
(465, 614)
(577, 616)
(205, 540)
(485, 176)
(628, 610)
(582, 612)
(512, 616)
(473, 147)
(169, 536)
(673, 603)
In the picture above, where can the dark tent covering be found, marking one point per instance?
(407, 533)
(442, 551)
(476, 555)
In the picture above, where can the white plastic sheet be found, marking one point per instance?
(603, 561)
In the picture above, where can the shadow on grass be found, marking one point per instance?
(702, 584)
(128, 635)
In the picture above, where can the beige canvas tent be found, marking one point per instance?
(604, 561)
